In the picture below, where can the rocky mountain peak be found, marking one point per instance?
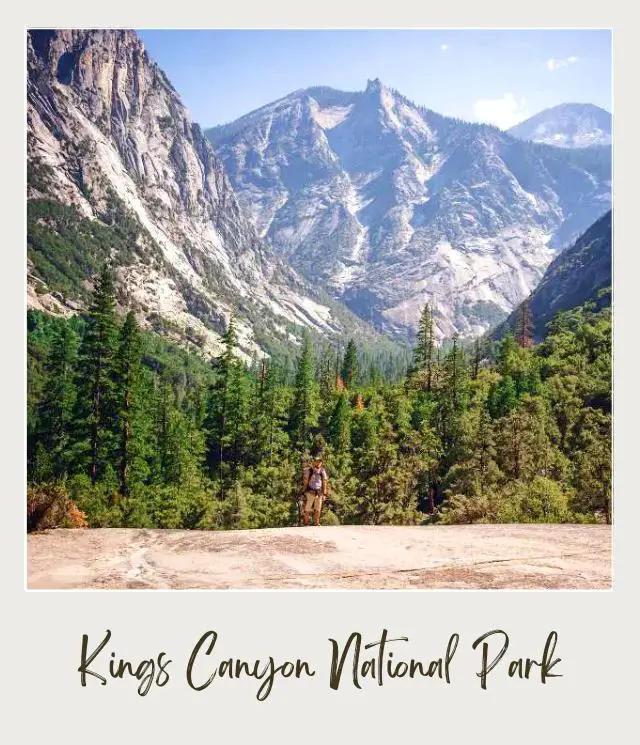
(573, 125)
(109, 135)
(392, 205)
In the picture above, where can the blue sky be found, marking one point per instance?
(500, 76)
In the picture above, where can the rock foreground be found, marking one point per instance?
(344, 557)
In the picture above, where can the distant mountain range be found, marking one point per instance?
(389, 204)
(572, 125)
(579, 274)
(326, 211)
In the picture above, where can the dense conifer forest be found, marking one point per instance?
(128, 429)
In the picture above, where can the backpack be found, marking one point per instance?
(316, 478)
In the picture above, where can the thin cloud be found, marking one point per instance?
(557, 64)
(504, 112)
(444, 47)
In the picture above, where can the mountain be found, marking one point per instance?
(390, 204)
(117, 170)
(579, 274)
(568, 125)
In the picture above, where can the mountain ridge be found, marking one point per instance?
(572, 125)
(109, 137)
(392, 204)
(580, 274)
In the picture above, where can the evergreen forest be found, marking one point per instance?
(128, 429)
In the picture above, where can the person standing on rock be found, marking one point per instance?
(315, 491)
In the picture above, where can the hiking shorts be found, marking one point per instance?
(313, 500)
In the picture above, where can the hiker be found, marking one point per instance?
(315, 490)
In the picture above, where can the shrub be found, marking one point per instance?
(98, 501)
(172, 506)
(49, 506)
(539, 501)
(465, 509)
(328, 517)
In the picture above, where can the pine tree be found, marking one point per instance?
(132, 427)
(349, 370)
(507, 355)
(452, 403)
(340, 424)
(303, 413)
(423, 352)
(185, 451)
(592, 464)
(525, 325)
(455, 362)
(238, 417)
(163, 404)
(364, 432)
(337, 372)
(477, 356)
(503, 397)
(95, 416)
(178, 456)
(55, 408)
(515, 449)
(218, 404)
(227, 416)
(484, 453)
(374, 375)
(326, 375)
(268, 437)
(387, 480)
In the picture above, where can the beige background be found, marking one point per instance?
(41, 639)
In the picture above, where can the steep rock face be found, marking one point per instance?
(573, 125)
(392, 205)
(579, 274)
(108, 134)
